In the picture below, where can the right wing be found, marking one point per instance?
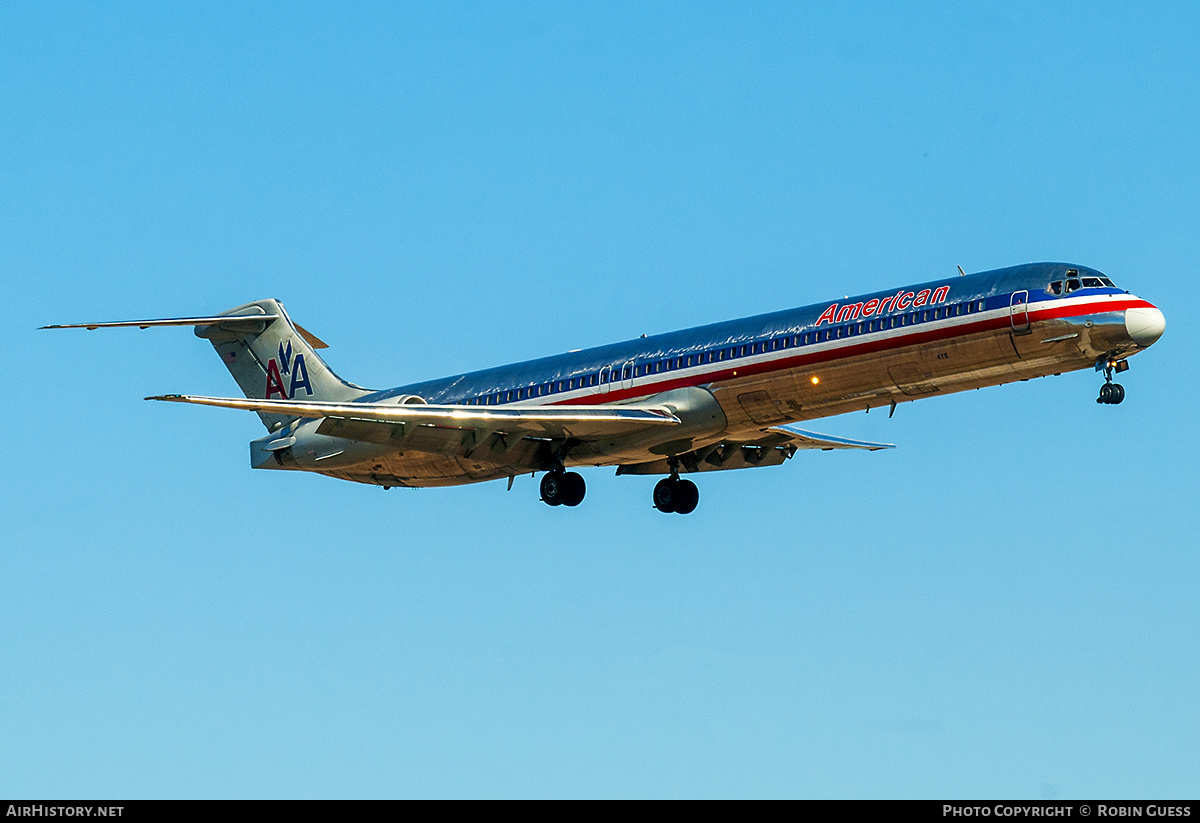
(776, 444)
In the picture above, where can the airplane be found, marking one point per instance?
(712, 398)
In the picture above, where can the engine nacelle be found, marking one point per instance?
(301, 447)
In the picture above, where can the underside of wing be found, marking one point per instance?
(772, 447)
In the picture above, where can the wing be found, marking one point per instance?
(389, 422)
(775, 445)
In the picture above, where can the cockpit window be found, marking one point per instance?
(1073, 285)
(1055, 287)
(1107, 282)
(1092, 283)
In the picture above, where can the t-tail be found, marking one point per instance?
(269, 356)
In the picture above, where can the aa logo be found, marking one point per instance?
(286, 364)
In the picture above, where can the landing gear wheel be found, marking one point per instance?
(563, 488)
(552, 488)
(573, 488)
(675, 495)
(664, 495)
(686, 497)
(1111, 393)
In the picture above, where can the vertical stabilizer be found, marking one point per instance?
(274, 359)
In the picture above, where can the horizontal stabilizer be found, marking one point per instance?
(171, 321)
(228, 321)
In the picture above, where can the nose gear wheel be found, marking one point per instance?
(1112, 393)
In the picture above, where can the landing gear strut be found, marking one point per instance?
(675, 495)
(1111, 393)
(561, 488)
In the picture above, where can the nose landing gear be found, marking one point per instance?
(1111, 393)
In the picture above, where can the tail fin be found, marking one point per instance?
(275, 358)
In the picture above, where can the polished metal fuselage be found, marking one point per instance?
(987, 329)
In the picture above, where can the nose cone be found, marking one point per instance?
(1144, 325)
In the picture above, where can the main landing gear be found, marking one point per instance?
(1111, 393)
(561, 488)
(675, 495)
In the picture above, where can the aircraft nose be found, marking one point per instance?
(1144, 325)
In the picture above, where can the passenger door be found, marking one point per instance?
(1018, 310)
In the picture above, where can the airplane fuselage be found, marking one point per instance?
(732, 380)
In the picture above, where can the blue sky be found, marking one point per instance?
(1004, 606)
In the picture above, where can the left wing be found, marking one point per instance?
(388, 422)
(776, 444)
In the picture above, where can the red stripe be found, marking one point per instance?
(850, 350)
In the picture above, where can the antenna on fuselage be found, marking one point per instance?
(961, 273)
